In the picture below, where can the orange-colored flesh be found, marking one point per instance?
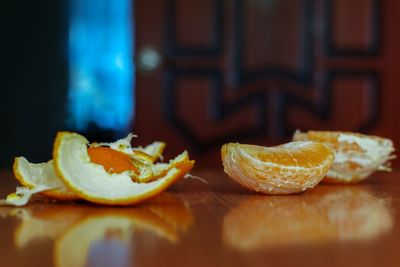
(112, 160)
(331, 138)
(285, 169)
(322, 136)
(304, 157)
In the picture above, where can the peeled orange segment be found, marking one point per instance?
(356, 155)
(33, 175)
(285, 169)
(92, 182)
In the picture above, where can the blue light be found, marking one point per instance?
(101, 64)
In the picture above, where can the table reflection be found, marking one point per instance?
(44, 222)
(86, 235)
(330, 213)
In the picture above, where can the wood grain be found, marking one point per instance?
(214, 224)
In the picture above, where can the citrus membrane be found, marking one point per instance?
(285, 169)
(357, 155)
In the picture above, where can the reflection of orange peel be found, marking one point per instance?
(74, 173)
(41, 226)
(171, 210)
(42, 222)
(168, 221)
(73, 247)
(321, 216)
(46, 222)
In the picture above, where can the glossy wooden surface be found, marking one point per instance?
(219, 224)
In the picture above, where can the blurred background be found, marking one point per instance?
(196, 74)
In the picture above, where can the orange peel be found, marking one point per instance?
(112, 160)
(33, 175)
(106, 173)
(93, 183)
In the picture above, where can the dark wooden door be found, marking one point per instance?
(254, 71)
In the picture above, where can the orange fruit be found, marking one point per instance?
(285, 169)
(357, 156)
(92, 181)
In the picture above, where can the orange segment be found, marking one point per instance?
(284, 169)
(356, 155)
(112, 160)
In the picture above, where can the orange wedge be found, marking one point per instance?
(285, 169)
(94, 183)
(357, 156)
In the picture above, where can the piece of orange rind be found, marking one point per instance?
(32, 175)
(91, 182)
(74, 173)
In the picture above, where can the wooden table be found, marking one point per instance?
(219, 224)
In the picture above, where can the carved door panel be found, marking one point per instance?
(215, 71)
